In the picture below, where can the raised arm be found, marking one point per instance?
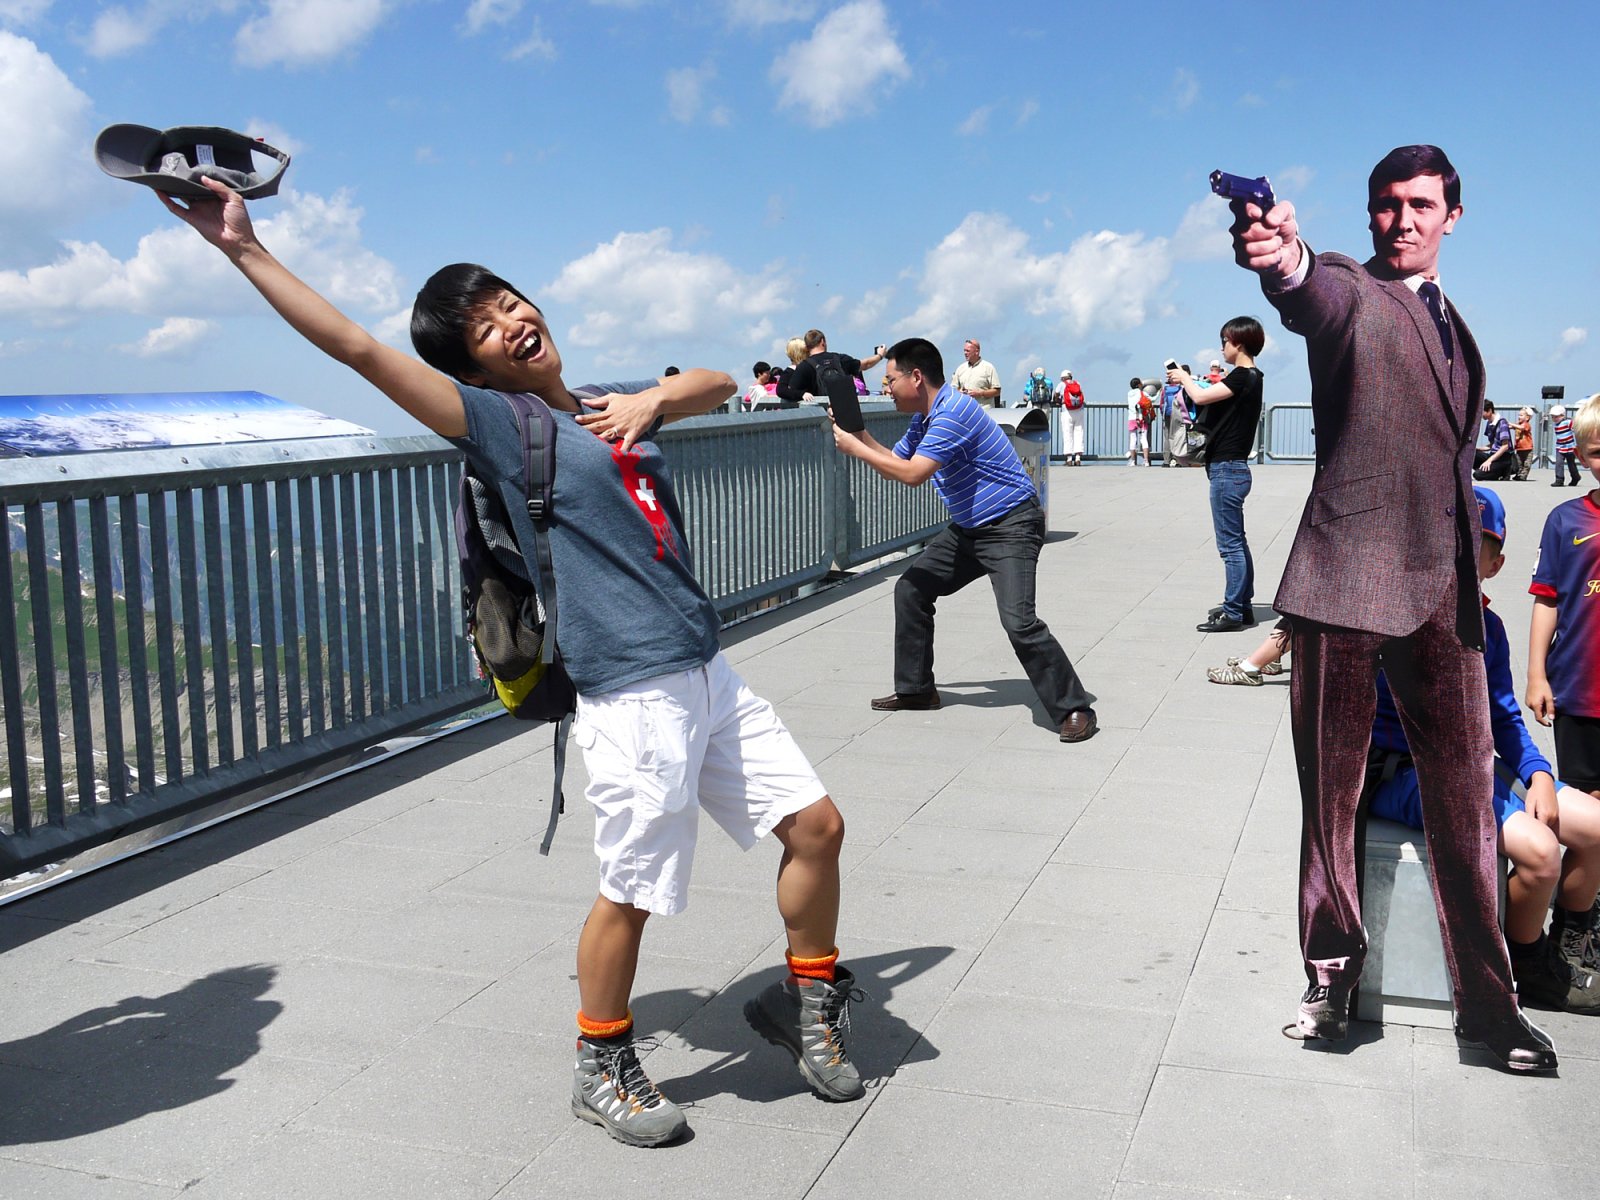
(424, 393)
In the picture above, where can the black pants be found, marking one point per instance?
(1007, 551)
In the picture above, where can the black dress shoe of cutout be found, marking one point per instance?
(1325, 1012)
(1517, 1043)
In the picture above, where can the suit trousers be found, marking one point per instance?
(1007, 551)
(1440, 689)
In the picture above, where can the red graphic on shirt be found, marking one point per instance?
(639, 486)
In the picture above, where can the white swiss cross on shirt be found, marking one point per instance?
(646, 496)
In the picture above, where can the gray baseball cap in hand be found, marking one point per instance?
(174, 160)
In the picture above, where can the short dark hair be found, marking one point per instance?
(1136, 382)
(918, 354)
(761, 368)
(1407, 162)
(1245, 333)
(1488, 406)
(443, 309)
(671, 371)
(814, 338)
(1185, 366)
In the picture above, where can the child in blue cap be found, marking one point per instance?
(1554, 972)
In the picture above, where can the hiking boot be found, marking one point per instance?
(1573, 942)
(1234, 673)
(611, 1090)
(809, 1018)
(1545, 979)
(1324, 1012)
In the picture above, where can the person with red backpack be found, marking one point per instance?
(1140, 414)
(1070, 396)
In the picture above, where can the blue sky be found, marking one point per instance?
(694, 183)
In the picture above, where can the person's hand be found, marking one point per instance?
(1541, 701)
(844, 441)
(1541, 801)
(621, 417)
(1179, 375)
(1266, 243)
(221, 218)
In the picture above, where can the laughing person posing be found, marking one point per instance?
(666, 726)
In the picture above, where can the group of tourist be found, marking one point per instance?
(1383, 578)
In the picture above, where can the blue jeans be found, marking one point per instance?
(1230, 484)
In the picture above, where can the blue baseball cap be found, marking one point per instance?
(1492, 513)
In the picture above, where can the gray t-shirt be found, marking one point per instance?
(628, 606)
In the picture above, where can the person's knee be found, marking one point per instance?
(1538, 859)
(816, 831)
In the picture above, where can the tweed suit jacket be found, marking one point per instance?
(1391, 521)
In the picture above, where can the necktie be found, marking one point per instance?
(1429, 291)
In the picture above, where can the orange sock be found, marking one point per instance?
(813, 968)
(604, 1029)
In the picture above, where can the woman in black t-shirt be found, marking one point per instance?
(1229, 413)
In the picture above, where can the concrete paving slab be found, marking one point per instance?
(1088, 963)
(306, 1164)
(360, 877)
(999, 1147)
(1312, 1140)
(32, 1181)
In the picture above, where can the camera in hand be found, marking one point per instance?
(1238, 187)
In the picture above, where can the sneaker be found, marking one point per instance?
(1234, 673)
(611, 1090)
(1324, 1012)
(809, 1018)
(1272, 668)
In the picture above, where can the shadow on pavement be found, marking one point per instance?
(115, 1064)
(750, 1069)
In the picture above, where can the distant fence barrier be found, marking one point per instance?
(181, 626)
(1284, 435)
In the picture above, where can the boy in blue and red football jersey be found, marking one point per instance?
(1564, 636)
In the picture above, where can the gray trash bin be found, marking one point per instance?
(1029, 432)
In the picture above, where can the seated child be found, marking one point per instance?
(1549, 971)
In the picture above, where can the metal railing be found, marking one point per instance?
(188, 625)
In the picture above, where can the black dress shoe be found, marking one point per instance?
(1519, 1045)
(1079, 726)
(1222, 624)
(907, 701)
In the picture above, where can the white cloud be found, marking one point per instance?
(1026, 113)
(395, 329)
(535, 45)
(22, 12)
(1573, 338)
(173, 270)
(116, 31)
(1185, 88)
(871, 308)
(769, 12)
(850, 58)
(637, 287)
(1103, 280)
(481, 14)
(45, 175)
(1203, 233)
(300, 32)
(686, 99)
(976, 122)
(1292, 181)
(274, 135)
(172, 336)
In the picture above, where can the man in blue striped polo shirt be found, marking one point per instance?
(996, 529)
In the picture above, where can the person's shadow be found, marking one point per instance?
(74, 1078)
(879, 1042)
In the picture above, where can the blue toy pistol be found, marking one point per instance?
(1237, 187)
